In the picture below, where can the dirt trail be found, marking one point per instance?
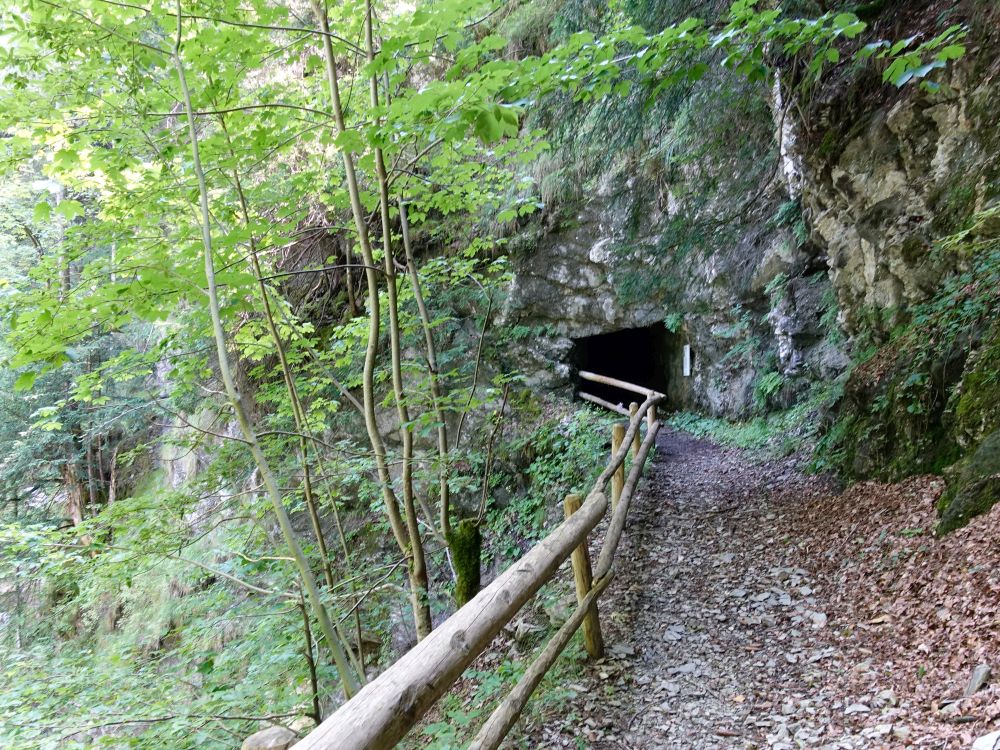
(757, 607)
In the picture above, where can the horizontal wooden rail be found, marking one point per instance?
(593, 377)
(388, 707)
(617, 408)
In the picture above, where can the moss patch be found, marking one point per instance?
(892, 421)
(977, 408)
(921, 400)
(466, 544)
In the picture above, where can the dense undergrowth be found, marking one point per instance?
(169, 652)
(562, 454)
(784, 432)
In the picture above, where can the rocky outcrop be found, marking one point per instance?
(881, 192)
(565, 289)
(905, 200)
(841, 249)
(973, 487)
(750, 306)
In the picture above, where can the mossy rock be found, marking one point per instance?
(978, 409)
(974, 487)
(892, 418)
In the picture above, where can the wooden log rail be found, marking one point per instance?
(390, 705)
(593, 377)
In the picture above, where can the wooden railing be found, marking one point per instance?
(390, 705)
(593, 377)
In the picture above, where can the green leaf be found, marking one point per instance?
(951, 52)
(493, 42)
(694, 73)
(844, 20)
(488, 127)
(350, 141)
(25, 380)
(870, 49)
(42, 213)
(919, 72)
(854, 29)
(66, 158)
(901, 45)
(69, 209)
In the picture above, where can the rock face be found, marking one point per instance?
(870, 249)
(565, 289)
(753, 305)
(878, 197)
(838, 248)
(272, 738)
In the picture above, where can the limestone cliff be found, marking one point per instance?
(903, 176)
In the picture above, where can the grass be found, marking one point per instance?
(778, 434)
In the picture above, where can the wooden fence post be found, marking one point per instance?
(618, 478)
(633, 409)
(584, 578)
(651, 416)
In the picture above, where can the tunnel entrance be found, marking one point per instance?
(642, 356)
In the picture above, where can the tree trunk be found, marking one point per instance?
(418, 570)
(75, 498)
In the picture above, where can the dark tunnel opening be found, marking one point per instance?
(636, 355)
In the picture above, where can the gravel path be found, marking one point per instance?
(727, 627)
